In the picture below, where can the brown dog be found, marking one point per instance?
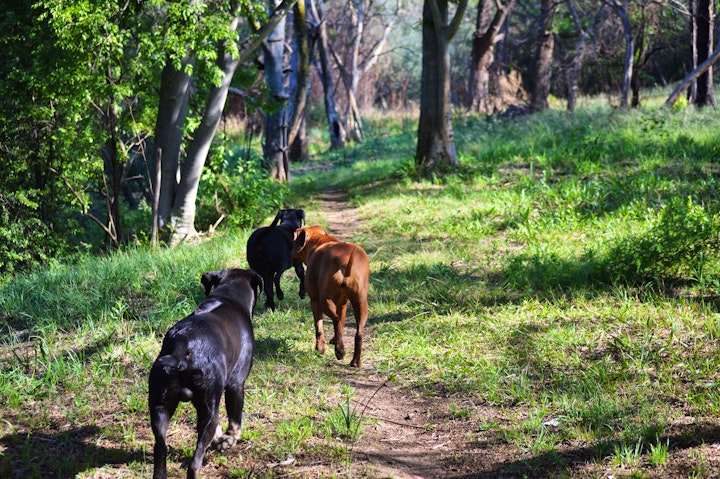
(337, 272)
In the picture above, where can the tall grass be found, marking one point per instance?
(559, 290)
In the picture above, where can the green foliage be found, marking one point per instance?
(680, 240)
(238, 187)
(24, 240)
(79, 102)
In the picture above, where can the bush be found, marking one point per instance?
(240, 188)
(23, 238)
(678, 242)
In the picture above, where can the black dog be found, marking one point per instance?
(269, 253)
(202, 355)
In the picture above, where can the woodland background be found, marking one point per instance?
(116, 114)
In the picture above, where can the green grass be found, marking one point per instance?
(559, 291)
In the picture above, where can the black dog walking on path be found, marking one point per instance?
(269, 253)
(203, 355)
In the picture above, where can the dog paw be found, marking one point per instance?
(224, 442)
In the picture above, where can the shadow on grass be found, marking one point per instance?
(63, 455)
(563, 463)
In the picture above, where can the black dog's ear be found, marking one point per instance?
(301, 216)
(211, 279)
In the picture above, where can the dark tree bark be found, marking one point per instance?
(704, 45)
(484, 39)
(545, 45)
(639, 54)
(299, 146)
(435, 150)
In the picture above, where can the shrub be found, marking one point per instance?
(240, 188)
(679, 241)
(24, 239)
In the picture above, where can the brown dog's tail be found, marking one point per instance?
(348, 268)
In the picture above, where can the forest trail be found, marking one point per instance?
(404, 435)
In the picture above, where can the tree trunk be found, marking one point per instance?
(299, 146)
(545, 46)
(577, 60)
(275, 146)
(690, 78)
(113, 178)
(177, 200)
(638, 55)
(484, 39)
(435, 150)
(337, 131)
(704, 45)
(172, 111)
(183, 211)
(299, 74)
(629, 50)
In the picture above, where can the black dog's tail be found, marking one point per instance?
(171, 364)
(262, 232)
(179, 359)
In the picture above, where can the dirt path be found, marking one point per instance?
(404, 436)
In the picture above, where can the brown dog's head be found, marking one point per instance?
(303, 236)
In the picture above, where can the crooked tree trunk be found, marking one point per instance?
(484, 40)
(174, 94)
(183, 210)
(435, 150)
(275, 151)
(690, 78)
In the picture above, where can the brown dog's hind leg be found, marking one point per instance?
(337, 314)
(360, 311)
(319, 332)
